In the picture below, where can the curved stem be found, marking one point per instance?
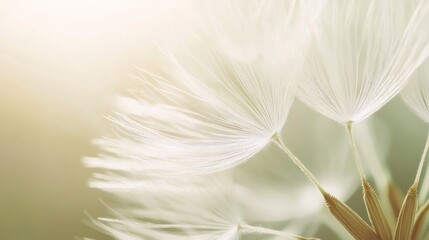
(422, 162)
(263, 230)
(355, 152)
(276, 139)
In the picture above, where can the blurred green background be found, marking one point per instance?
(61, 64)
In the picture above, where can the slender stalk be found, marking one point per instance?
(263, 230)
(378, 170)
(422, 162)
(276, 139)
(375, 211)
(351, 221)
(355, 152)
(406, 219)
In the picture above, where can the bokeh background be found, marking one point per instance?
(61, 65)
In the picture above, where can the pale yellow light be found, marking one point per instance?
(77, 54)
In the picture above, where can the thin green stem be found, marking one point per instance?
(422, 162)
(355, 152)
(276, 139)
(263, 230)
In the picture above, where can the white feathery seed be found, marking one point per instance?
(196, 208)
(180, 208)
(362, 55)
(267, 191)
(209, 110)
